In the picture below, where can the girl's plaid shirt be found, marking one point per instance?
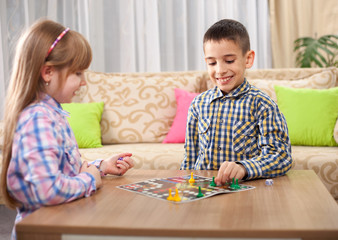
(45, 164)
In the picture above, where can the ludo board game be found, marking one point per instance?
(181, 189)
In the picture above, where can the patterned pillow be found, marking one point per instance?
(138, 107)
(322, 80)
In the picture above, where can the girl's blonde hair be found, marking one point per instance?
(72, 52)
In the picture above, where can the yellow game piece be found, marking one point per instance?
(177, 198)
(191, 180)
(170, 198)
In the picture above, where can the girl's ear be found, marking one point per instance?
(47, 73)
(250, 57)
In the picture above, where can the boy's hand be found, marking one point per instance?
(118, 164)
(229, 170)
(93, 171)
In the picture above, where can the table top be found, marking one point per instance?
(297, 205)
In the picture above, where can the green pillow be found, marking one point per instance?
(85, 121)
(311, 114)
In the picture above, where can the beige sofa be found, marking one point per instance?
(139, 109)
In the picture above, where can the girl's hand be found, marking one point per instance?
(229, 170)
(93, 171)
(118, 164)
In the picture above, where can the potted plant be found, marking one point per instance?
(320, 52)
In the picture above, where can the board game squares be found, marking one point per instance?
(134, 186)
(178, 189)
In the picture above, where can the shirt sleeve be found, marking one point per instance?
(191, 140)
(97, 164)
(274, 146)
(50, 167)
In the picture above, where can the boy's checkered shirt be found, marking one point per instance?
(244, 126)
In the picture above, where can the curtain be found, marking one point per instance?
(137, 35)
(294, 19)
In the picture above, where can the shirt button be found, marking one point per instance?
(219, 148)
(221, 121)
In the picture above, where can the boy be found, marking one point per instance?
(234, 127)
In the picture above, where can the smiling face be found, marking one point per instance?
(64, 90)
(73, 83)
(226, 63)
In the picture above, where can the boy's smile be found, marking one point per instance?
(226, 63)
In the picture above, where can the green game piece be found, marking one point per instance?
(234, 185)
(200, 194)
(213, 184)
(237, 185)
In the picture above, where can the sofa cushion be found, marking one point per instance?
(150, 156)
(322, 160)
(322, 80)
(287, 73)
(176, 133)
(311, 114)
(139, 107)
(85, 121)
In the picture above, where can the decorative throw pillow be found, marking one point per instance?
(311, 114)
(176, 133)
(85, 122)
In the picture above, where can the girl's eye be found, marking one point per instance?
(212, 63)
(78, 73)
(229, 62)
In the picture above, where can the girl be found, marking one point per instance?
(41, 161)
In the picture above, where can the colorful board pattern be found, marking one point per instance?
(159, 188)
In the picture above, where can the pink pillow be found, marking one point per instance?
(176, 133)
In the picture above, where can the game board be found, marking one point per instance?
(159, 188)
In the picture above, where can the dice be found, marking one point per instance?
(269, 182)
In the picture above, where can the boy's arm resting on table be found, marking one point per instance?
(191, 140)
(274, 146)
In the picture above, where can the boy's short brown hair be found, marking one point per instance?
(228, 29)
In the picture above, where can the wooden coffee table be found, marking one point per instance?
(295, 206)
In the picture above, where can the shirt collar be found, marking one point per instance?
(240, 90)
(51, 102)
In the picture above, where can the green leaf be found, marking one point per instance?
(311, 51)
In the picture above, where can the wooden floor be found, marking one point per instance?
(7, 217)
